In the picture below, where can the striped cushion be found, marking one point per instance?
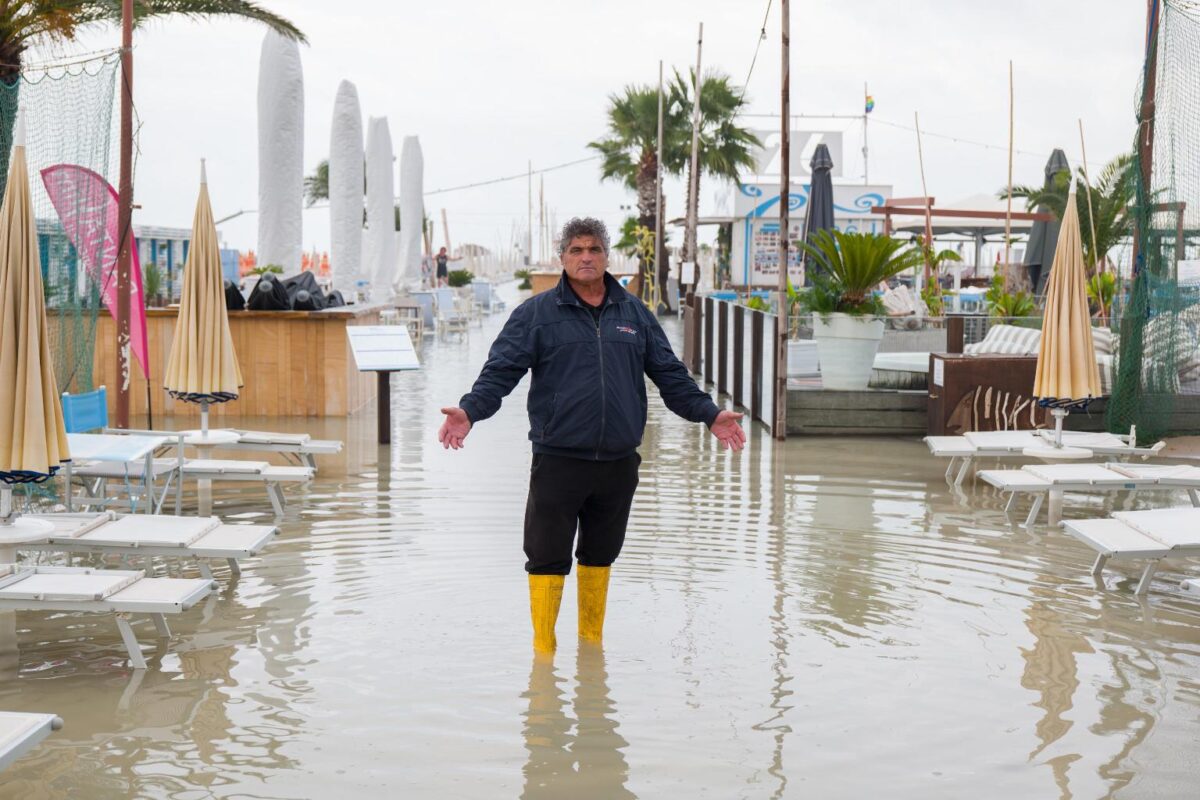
(1007, 340)
(1103, 340)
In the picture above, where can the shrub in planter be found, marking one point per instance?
(523, 276)
(846, 326)
(460, 277)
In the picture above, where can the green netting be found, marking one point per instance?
(69, 120)
(1158, 360)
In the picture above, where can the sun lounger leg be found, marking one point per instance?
(1147, 575)
(1033, 510)
(950, 467)
(275, 493)
(160, 625)
(205, 572)
(204, 494)
(962, 471)
(309, 460)
(1195, 496)
(136, 659)
(234, 567)
(1054, 511)
(1012, 501)
(1098, 567)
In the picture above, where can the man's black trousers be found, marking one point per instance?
(566, 494)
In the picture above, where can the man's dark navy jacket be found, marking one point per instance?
(588, 396)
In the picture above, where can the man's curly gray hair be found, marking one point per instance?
(582, 226)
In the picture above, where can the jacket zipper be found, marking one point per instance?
(603, 391)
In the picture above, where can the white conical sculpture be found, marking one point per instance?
(380, 247)
(346, 190)
(280, 153)
(412, 213)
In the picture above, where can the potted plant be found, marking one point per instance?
(152, 284)
(847, 324)
(458, 278)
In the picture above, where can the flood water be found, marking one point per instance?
(822, 619)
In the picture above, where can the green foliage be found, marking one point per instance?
(756, 303)
(523, 276)
(629, 151)
(1008, 306)
(57, 22)
(460, 277)
(931, 295)
(848, 268)
(151, 280)
(628, 242)
(1112, 199)
(1101, 290)
(267, 269)
(316, 186)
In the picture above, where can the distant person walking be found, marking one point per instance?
(588, 343)
(443, 267)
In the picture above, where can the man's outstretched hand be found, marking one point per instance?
(457, 426)
(727, 430)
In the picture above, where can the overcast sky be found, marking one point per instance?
(489, 86)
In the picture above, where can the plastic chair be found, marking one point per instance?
(85, 412)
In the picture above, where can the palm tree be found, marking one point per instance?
(725, 149)
(1112, 199)
(316, 186)
(27, 23)
(629, 152)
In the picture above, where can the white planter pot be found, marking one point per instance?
(802, 359)
(846, 346)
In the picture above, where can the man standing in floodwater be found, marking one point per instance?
(588, 343)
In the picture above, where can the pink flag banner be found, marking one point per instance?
(87, 206)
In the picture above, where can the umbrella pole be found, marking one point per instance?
(204, 419)
(6, 504)
(1059, 415)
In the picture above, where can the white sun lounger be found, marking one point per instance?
(1153, 535)
(269, 475)
(119, 592)
(963, 450)
(20, 733)
(1040, 479)
(298, 445)
(199, 538)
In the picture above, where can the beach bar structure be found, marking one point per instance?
(294, 363)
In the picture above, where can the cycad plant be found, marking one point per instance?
(849, 267)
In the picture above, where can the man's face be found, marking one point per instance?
(584, 259)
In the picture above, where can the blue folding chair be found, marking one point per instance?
(87, 412)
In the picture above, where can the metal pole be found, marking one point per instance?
(542, 218)
(779, 428)
(659, 237)
(1146, 123)
(446, 232)
(125, 216)
(529, 229)
(694, 175)
(866, 150)
(1008, 208)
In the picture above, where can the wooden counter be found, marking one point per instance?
(294, 363)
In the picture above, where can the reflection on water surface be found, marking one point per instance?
(822, 619)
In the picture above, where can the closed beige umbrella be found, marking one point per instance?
(203, 367)
(33, 440)
(1067, 376)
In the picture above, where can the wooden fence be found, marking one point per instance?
(733, 348)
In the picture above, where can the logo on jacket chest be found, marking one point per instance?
(627, 330)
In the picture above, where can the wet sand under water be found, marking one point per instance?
(819, 619)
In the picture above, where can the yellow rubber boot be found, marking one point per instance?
(593, 597)
(545, 596)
